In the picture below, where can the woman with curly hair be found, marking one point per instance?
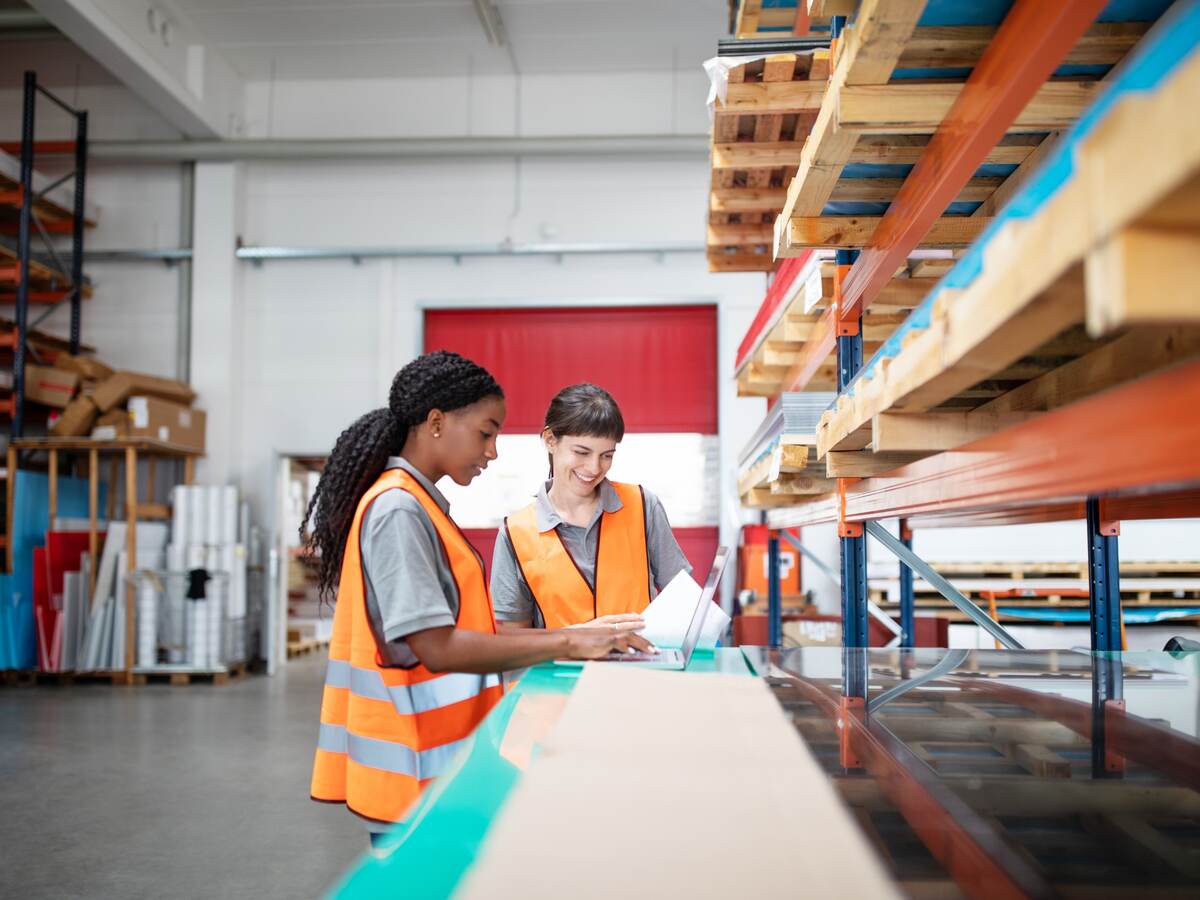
(415, 660)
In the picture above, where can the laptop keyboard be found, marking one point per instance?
(660, 656)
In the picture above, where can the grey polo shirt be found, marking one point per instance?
(409, 583)
(511, 597)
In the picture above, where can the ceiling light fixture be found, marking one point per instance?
(489, 18)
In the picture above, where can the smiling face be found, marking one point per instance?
(580, 462)
(467, 438)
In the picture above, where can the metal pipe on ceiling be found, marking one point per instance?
(401, 148)
(261, 254)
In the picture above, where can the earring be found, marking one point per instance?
(437, 434)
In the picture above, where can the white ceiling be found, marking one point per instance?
(303, 39)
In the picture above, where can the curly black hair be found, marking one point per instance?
(439, 380)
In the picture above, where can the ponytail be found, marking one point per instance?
(439, 380)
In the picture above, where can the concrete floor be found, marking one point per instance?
(168, 792)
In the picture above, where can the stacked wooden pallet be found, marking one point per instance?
(759, 128)
(770, 18)
(1087, 280)
(764, 369)
(786, 471)
(894, 79)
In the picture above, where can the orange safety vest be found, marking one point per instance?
(387, 731)
(622, 571)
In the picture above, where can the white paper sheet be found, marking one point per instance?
(670, 613)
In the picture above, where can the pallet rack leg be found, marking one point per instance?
(24, 222)
(77, 231)
(1104, 580)
(1108, 701)
(774, 592)
(131, 514)
(853, 540)
(908, 628)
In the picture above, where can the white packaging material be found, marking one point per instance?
(147, 622)
(195, 516)
(229, 515)
(174, 626)
(179, 513)
(212, 515)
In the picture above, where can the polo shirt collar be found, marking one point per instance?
(399, 462)
(548, 517)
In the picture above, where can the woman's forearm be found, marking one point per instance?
(450, 649)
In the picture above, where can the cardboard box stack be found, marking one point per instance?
(99, 402)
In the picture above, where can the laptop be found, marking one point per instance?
(669, 658)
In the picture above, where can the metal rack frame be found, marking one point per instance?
(1006, 477)
(26, 198)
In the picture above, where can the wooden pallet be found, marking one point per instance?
(800, 318)
(305, 646)
(1079, 297)
(870, 116)
(183, 676)
(758, 130)
(32, 678)
(781, 474)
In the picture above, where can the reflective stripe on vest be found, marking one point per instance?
(388, 756)
(622, 565)
(409, 699)
(386, 731)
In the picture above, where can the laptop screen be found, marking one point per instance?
(696, 627)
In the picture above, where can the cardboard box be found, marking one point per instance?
(76, 419)
(162, 420)
(112, 425)
(121, 386)
(85, 366)
(50, 386)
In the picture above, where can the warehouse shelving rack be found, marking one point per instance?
(1061, 319)
(65, 455)
(25, 277)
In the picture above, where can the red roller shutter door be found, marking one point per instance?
(658, 362)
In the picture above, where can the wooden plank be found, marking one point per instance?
(961, 46)
(967, 343)
(756, 476)
(732, 235)
(906, 149)
(155, 511)
(772, 97)
(1135, 353)
(740, 262)
(131, 520)
(976, 190)
(901, 108)
(755, 155)
(855, 231)
(794, 457)
(737, 200)
(861, 464)
(802, 485)
(1042, 761)
(874, 328)
(746, 24)
(867, 55)
(1144, 275)
(933, 432)
(1001, 195)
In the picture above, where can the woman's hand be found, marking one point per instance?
(596, 643)
(618, 622)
